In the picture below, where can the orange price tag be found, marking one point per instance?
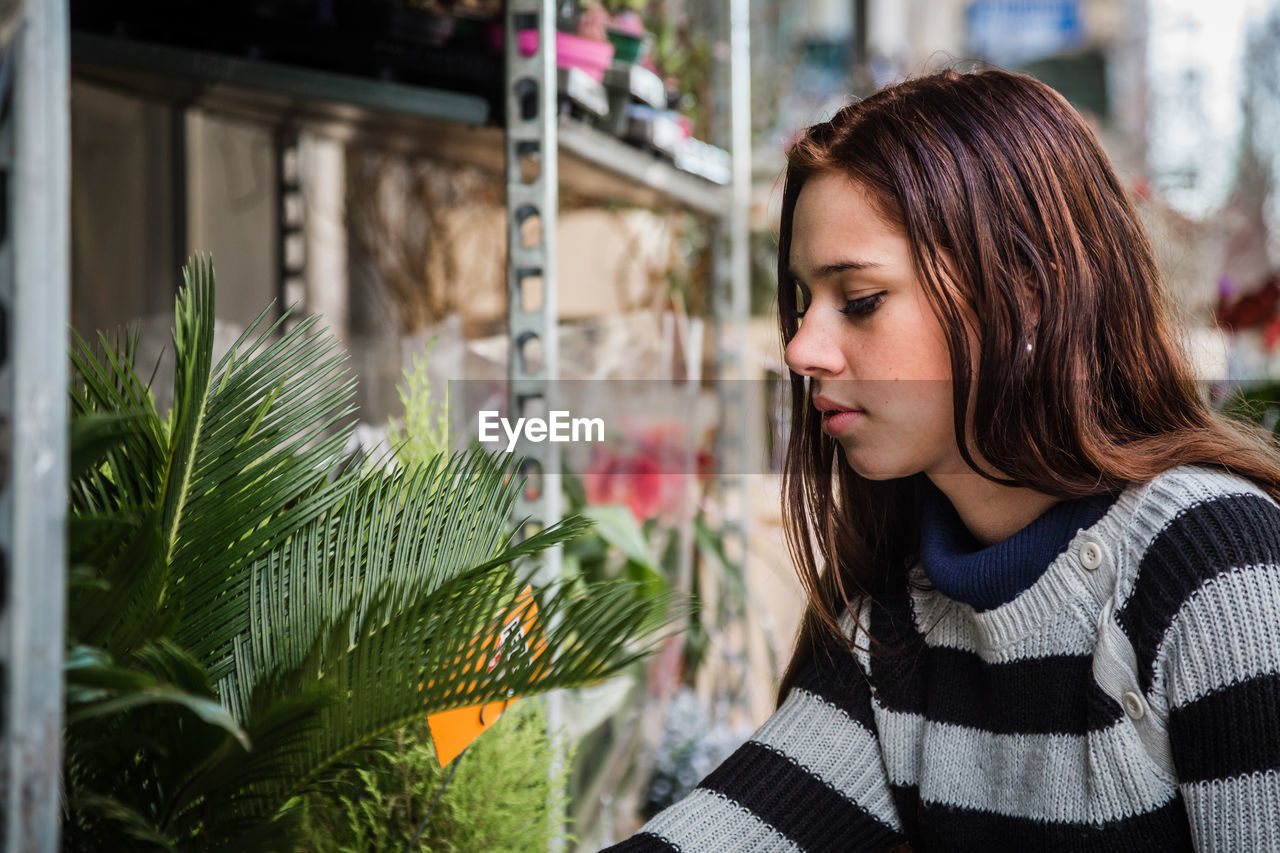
(453, 731)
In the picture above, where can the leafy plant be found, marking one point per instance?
(250, 610)
(501, 794)
(424, 434)
(501, 797)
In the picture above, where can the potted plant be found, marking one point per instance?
(250, 608)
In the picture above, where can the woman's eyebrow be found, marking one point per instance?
(838, 267)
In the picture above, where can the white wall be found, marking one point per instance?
(123, 261)
(231, 211)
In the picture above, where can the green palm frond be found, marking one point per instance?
(263, 610)
(117, 441)
(98, 688)
(96, 815)
(255, 440)
(135, 729)
(427, 658)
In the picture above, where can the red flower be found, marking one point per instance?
(651, 478)
(633, 480)
(1271, 334)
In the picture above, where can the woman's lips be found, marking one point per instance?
(835, 423)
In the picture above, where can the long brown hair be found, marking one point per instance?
(997, 173)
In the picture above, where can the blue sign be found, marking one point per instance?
(1013, 32)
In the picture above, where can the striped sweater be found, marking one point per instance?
(1127, 697)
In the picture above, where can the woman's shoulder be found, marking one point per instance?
(1184, 485)
(1197, 506)
(1193, 534)
(1196, 514)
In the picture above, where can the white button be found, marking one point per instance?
(1133, 705)
(1091, 555)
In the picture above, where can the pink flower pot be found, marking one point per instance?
(572, 51)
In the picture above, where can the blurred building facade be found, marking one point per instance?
(1184, 96)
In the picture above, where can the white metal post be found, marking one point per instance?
(34, 275)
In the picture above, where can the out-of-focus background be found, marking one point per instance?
(348, 157)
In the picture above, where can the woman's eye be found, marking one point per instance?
(863, 306)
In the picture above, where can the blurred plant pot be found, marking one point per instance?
(627, 46)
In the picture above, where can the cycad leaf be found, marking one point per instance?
(162, 674)
(316, 597)
(117, 472)
(393, 539)
(126, 819)
(94, 435)
(274, 429)
(426, 658)
(209, 710)
(193, 348)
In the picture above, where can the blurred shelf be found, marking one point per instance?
(608, 159)
(230, 83)
(364, 110)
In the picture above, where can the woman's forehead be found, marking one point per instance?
(837, 228)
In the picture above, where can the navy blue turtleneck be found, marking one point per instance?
(985, 577)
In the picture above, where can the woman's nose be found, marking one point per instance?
(814, 351)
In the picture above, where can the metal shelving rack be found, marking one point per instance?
(414, 119)
(34, 287)
(451, 126)
(34, 283)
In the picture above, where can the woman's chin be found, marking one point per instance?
(872, 467)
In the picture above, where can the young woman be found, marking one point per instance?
(1043, 575)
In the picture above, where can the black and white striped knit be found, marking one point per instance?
(1126, 697)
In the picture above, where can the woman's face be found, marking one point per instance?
(868, 340)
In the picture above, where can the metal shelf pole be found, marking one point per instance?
(533, 357)
(34, 274)
(731, 281)
(532, 195)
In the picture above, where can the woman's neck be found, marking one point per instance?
(991, 512)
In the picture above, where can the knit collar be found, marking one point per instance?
(985, 577)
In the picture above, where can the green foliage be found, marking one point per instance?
(618, 528)
(1257, 403)
(500, 796)
(685, 57)
(425, 432)
(614, 7)
(616, 545)
(249, 610)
